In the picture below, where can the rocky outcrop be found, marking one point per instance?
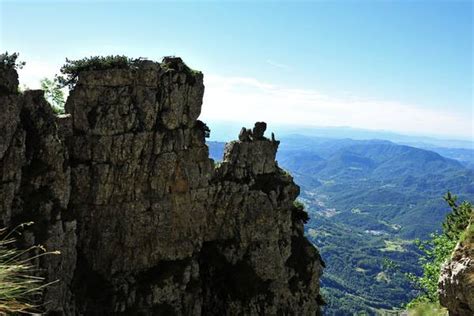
(456, 283)
(146, 222)
(35, 185)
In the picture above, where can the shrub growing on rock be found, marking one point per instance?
(10, 61)
(438, 249)
(72, 68)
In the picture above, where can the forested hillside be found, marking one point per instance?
(368, 200)
(376, 185)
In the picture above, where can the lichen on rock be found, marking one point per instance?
(124, 187)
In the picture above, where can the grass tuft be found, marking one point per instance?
(19, 287)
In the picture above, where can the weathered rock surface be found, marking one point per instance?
(35, 186)
(146, 223)
(456, 283)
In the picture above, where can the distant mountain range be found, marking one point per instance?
(223, 131)
(396, 183)
(391, 182)
(368, 200)
(463, 155)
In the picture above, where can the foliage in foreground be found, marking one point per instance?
(438, 250)
(19, 288)
(427, 309)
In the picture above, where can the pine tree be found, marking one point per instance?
(456, 221)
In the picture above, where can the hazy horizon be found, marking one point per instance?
(402, 67)
(224, 131)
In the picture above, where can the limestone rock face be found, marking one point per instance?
(124, 187)
(456, 283)
(35, 186)
(8, 81)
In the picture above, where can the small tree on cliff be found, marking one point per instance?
(53, 94)
(71, 69)
(438, 249)
(456, 221)
(10, 61)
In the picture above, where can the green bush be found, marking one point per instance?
(456, 221)
(437, 250)
(72, 68)
(427, 309)
(298, 205)
(299, 212)
(10, 61)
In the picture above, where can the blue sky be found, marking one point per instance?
(403, 66)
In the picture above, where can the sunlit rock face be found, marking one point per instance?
(456, 283)
(146, 222)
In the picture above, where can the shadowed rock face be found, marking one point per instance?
(123, 186)
(35, 185)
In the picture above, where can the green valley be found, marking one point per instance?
(368, 200)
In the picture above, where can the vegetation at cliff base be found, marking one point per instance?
(19, 288)
(437, 250)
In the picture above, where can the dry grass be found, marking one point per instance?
(19, 287)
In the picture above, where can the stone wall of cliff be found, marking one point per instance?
(145, 221)
(456, 283)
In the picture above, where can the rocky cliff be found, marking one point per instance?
(456, 283)
(145, 221)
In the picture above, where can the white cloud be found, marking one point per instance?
(278, 65)
(248, 99)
